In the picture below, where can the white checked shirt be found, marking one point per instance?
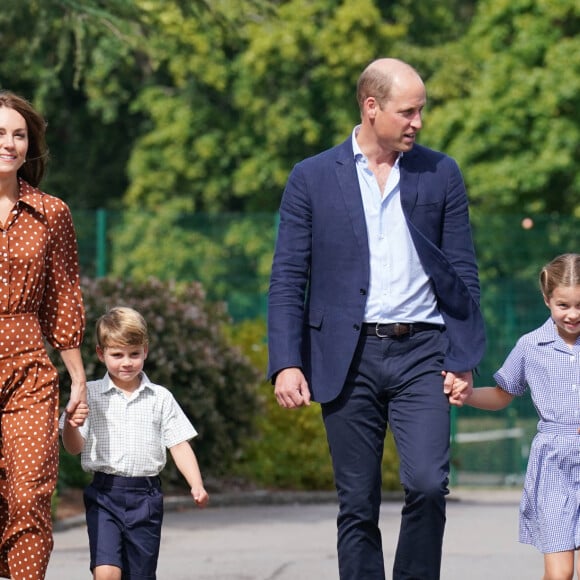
(129, 436)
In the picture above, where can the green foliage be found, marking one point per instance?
(189, 354)
(295, 87)
(70, 474)
(511, 251)
(430, 22)
(230, 254)
(505, 112)
(188, 148)
(289, 450)
(76, 62)
(211, 103)
(281, 87)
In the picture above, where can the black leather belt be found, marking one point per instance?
(397, 329)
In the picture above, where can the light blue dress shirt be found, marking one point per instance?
(399, 290)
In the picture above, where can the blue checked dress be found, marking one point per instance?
(550, 504)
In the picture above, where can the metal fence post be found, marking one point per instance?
(101, 242)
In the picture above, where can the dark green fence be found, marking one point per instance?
(487, 447)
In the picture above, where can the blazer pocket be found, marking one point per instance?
(429, 207)
(315, 317)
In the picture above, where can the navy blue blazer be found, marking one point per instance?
(320, 272)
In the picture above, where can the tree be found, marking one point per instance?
(76, 62)
(506, 99)
(212, 102)
(230, 254)
(237, 110)
(85, 63)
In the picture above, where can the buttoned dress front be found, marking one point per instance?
(40, 297)
(550, 505)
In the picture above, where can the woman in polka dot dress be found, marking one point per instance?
(39, 297)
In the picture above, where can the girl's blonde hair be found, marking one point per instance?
(122, 326)
(561, 271)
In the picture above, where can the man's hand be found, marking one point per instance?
(291, 389)
(458, 386)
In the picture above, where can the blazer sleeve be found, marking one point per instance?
(289, 277)
(440, 227)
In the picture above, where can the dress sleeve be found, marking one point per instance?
(62, 313)
(511, 377)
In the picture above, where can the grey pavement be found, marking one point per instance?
(293, 537)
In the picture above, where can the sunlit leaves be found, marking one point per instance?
(514, 126)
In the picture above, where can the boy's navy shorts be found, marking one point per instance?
(124, 517)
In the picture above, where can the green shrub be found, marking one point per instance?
(290, 450)
(189, 354)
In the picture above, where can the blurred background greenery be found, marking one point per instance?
(173, 125)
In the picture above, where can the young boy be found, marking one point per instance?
(123, 442)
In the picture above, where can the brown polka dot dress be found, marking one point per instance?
(39, 297)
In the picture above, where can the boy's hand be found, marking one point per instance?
(78, 416)
(200, 496)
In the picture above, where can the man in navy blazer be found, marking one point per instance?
(374, 313)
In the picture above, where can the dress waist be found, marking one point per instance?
(558, 428)
(21, 334)
(7, 315)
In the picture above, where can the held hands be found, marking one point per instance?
(77, 417)
(78, 398)
(457, 386)
(291, 389)
(200, 496)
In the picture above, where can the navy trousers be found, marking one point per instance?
(393, 382)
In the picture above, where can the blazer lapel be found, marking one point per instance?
(350, 190)
(409, 183)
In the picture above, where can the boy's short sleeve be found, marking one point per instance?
(61, 421)
(176, 426)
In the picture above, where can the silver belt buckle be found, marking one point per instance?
(378, 333)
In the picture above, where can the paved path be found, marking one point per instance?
(296, 541)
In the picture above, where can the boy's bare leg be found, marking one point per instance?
(106, 573)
